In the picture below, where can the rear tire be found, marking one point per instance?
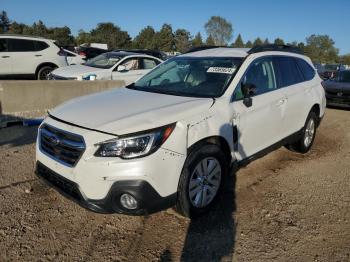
(44, 72)
(201, 180)
(304, 144)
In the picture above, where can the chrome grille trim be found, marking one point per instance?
(62, 146)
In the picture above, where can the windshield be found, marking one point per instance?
(343, 76)
(105, 61)
(331, 67)
(189, 76)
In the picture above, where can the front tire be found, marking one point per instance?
(201, 180)
(304, 144)
(44, 72)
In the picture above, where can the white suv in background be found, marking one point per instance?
(171, 137)
(29, 56)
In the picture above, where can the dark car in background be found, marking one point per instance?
(338, 89)
(159, 54)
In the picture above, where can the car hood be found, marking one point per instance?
(78, 70)
(122, 111)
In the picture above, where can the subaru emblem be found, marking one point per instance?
(54, 140)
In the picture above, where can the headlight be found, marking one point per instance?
(135, 145)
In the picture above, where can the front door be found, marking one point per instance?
(258, 126)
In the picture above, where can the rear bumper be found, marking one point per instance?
(149, 201)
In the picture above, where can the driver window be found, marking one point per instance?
(261, 74)
(131, 64)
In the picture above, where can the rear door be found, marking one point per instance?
(295, 88)
(5, 58)
(260, 125)
(22, 55)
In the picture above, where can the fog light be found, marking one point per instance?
(128, 201)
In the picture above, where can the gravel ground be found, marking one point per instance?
(283, 207)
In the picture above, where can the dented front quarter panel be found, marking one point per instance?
(216, 121)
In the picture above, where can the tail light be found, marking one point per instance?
(62, 53)
(82, 54)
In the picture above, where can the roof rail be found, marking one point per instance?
(273, 47)
(19, 35)
(200, 48)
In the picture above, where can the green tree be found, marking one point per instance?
(249, 44)
(112, 35)
(210, 41)
(145, 39)
(219, 29)
(279, 41)
(39, 29)
(182, 40)
(62, 35)
(345, 59)
(321, 49)
(165, 39)
(257, 42)
(16, 28)
(197, 40)
(83, 37)
(239, 42)
(4, 22)
(266, 41)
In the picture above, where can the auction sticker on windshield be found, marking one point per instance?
(222, 70)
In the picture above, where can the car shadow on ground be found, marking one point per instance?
(18, 131)
(339, 108)
(15, 136)
(211, 237)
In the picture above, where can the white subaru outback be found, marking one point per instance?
(171, 137)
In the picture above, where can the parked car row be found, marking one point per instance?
(39, 58)
(124, 66)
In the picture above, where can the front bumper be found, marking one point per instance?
(341, 101)
(149, 201)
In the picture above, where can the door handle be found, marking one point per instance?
(5, 56)
(38, 55)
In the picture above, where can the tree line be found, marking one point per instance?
(320, 48)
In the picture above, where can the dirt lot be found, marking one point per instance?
(283, 207)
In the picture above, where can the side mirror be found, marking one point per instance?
(122, 68)
(248, 90)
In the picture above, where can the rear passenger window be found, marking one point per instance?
(3, 45)
(289, 72)
(39, 45)
(21, 45)
(148, 63)
(306, 69)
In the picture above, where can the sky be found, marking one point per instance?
(291, 20)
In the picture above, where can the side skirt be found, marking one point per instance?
(288, 140)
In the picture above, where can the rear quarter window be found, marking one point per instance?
(306, 69)
(40, 45)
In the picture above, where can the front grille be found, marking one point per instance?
(56, 77)
(338, 94)
(61, 183)
(63, 146)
